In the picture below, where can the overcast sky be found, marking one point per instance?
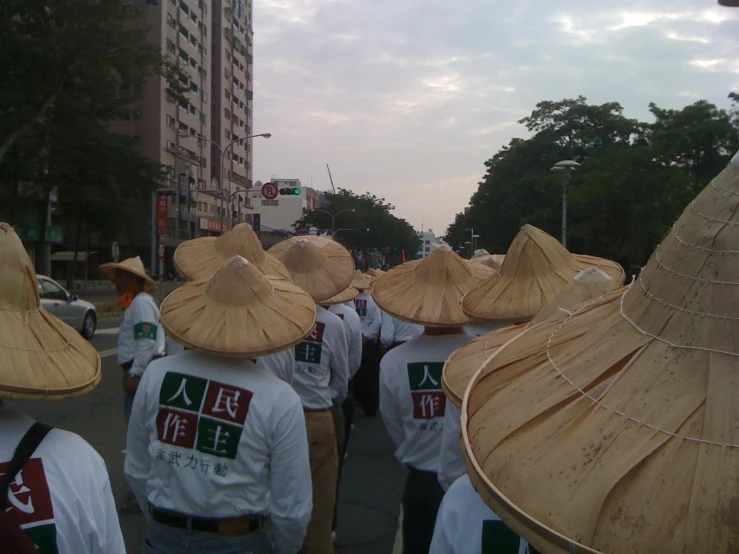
(406, 99)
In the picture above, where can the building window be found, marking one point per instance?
(428, 242)
(170, 121)
(228, 94)
(136, 115)
(228, 134)
(427, 249)
(270, 202)
(226, 113)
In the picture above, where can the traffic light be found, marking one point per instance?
(290, 191)
(367, 229)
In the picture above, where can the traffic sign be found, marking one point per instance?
(115, 251)
(269, 191)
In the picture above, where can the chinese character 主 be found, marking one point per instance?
(182, 392)
(176, 424)
(26, 507)
(217, 438)
(430, 404)
(227, 401)
(427, 376)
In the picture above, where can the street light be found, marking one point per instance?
(568, 166)
(223, 197)
(471, 242)
(332, 216)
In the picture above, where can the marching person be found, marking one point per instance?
(322, 268)
(365, 383)
(56, 494)
(200, 258)
(412, 404)
(141, 337)
(217, 450)
(394, 332)
(466, 525)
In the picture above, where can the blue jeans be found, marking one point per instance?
(162, 538)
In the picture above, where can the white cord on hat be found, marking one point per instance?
(709, 218)
(674, 272)
(36, 310)
(704, 249)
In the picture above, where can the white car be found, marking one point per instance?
(71, 310)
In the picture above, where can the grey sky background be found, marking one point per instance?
(406, 99)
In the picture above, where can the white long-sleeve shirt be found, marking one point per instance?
(451, 462)
(465, 525)
(412, 402)
(322, 363)
(215, 437)
(281, 364)
(394, 330)
(369, 315)
(141, 335)
(62, 496)
(353, 328)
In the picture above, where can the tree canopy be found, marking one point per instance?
(634, 180)
(387, 233)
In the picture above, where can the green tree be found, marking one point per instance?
(387, 233)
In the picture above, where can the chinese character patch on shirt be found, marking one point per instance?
(202, 414)
(30, 499)
(496, 537)
(424, 378)
(361, 307)
(310, 349)
(145, 331)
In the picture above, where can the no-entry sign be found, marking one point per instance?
(269, 191)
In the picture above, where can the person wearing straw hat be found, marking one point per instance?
(323, 268)
(366, 382)
(202, 257)
(217, 450)
(630, 403)
(412, 404)
(343, 412)
(394, 332)
(537, 266)
(58, 496)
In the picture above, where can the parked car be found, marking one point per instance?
(68, 307)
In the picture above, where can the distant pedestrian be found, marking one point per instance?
(365, 386)
(412, 403)
(217, 450)
(56, 495)
(140, 336)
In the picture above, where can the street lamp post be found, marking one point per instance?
(471, 242)
(333, 217)
(224, 197)
(568, 166)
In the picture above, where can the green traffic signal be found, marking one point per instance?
(296, 191)
(367, 229)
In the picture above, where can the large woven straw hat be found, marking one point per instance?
(319, 266)
(535, 269)
(239, 313)
(202, 257)
(374, 272)
(41, 357)
(480, 253)
(346, 295)
(428, 291)
(131, 265)
(493, 261)
(362, 281)
(587, 285)
(619, 432)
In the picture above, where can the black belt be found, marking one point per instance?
(239, 525)
(125, 366)
(316, 409)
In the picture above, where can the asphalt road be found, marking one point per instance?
(371, 485)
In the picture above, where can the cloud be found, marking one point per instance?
(407, 99)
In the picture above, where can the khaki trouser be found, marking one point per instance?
(324, 468)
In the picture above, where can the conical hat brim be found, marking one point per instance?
(109, 271)
(362, 282)
(198, 259)
(517, 300)
(43, 358)
(335, 276)
(235, 331)
(346, 295)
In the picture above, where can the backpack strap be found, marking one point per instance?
(23, 452)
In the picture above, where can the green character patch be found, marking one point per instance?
(145, 330)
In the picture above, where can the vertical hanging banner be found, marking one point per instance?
(162, 214)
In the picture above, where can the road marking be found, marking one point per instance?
(106, 353)
(109, 331)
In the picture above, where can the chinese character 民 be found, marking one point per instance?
(228, 401)
(26, 507)
(176, 424)
(183, 392)
(220, 469)
(217, 438)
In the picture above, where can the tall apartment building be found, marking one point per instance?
(200, 137)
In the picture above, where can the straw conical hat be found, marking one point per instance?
(466, 361)
(130, 265)
(480, 253)
(41, 357)
(346, 295)
(535, 269)
(319, 266)
(428, 291)
(202, 257)
(493, 261)
(620, 432)
(373, 272)
(239, 313)
(362, 281)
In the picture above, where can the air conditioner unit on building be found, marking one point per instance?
(171, 147)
